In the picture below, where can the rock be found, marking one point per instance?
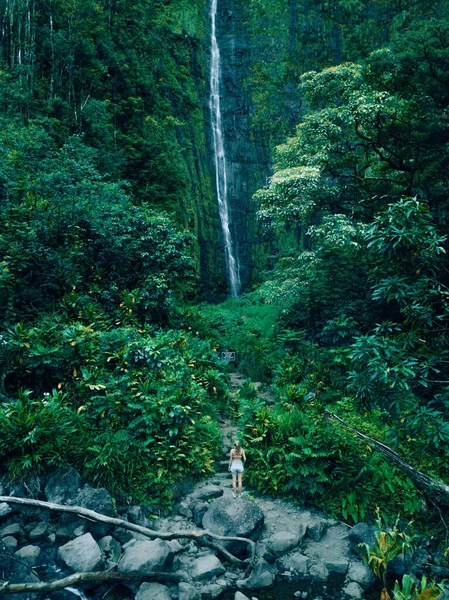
(68, 524)
(110, 550)
(212, 591)
(199, 511)
(5, 510)
(207, 492)
(361, 574)
(284, 541)
(9, 542)
(336, 566)
(81, 554)
(262, 576)
(184, 510)
(62, 485)
(175, 546)
(100, 501)
(146, 556)
(13, 529)
(240, 518)
(240, 596)
(123, 535)
(137, 515)
(362, 533)
(51, 538)
(188, 592)
(39, 531)
(353, 590)
(153, 591)
(315, 531)
(296, 562)
(206, 567)
(319, 571)
(29, 555)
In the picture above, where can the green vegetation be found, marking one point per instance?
(108, 360)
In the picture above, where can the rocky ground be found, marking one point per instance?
(292, 544)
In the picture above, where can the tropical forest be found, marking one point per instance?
(220, 221)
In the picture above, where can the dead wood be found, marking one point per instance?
(204, 537)
(436, 489)
(93, 577)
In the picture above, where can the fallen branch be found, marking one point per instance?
(431, 485)
(201, 537)
(94, 577)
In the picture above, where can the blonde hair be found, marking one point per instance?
(237, 444)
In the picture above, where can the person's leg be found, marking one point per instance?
(240, 483)
(234, 483)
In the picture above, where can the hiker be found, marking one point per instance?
(237, 457)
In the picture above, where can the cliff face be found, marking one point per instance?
(265, 47)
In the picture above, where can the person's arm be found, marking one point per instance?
(230, 459)
(244, 455)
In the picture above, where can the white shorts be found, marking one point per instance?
(237, 467)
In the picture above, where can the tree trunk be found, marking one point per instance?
(436, 489)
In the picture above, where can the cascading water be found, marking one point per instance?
(221, 172)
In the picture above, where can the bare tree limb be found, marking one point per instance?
(93, 577)
(432, 486)
(204, 538)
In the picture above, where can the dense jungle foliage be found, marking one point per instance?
(110, 364)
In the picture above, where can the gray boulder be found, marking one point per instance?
(81, 554)
(262, 576)
(295, 562)
(240, 518)
(319, 571)
(207, 492)
(13, 529)
(100, 501)
(146, 556)
(9, 542)
(5, 510)
(283, 541)
(362, 533)
(111, 551)
(212, 591)
(353, 590)
(188, 592)
(316, 530)
(28, 555)
(206, 567)
(62, 485)
(361, 574)
(336, 566)
(184, 510)
(199, 510)
(137, 515)
(240, 596)
(39, 531)
(153, 591)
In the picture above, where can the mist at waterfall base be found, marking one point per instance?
(221, 167)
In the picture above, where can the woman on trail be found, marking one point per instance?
(237, 457)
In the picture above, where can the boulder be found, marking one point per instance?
(5, 510)
(319, 571)
(13, 529)
(212, 591)
(315, 530)
(184, 510)
(153, 591)
(242, 519)
(353, 590)
(208, 492)
(283, 541)
(62, 485)
(188, 592)
(206, 567)
(295, 562)
(137, 515)
(262, 576)
(240, 596)
(39, 531)
(9, 542)
(361, 574)
(100, 501)
(336, 566)
(362, 533)
(81, 554)
(28, 555)
(110, 550)
(146, 556)
(69, 524)
(199, 510)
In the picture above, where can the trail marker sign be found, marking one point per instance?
(229, 356)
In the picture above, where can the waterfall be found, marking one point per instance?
(221, 170)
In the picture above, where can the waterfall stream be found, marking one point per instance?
(221, 169)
